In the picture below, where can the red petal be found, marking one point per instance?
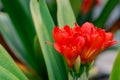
(80, 42)
(68, 30)
(70, 56)
(77, 28)
(59, 35)
(57, 47)
(109, 43)
(109, 36)
(87, 28)
(55, 30)
(86, 5)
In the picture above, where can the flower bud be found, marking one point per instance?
(77, 64)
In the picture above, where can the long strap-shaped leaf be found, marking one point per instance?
(44, 25)
(46, 17)
(6, 75)
(11, 37)
(105, 13)
(115, 74)
(40, 60)
(19, 13)
(7, 63)
(14, 42)
(65, 14)
(76, 6)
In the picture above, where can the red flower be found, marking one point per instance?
(86, 6)
(68, 42)
(96, 40)
(86, 42)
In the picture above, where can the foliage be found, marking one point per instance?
(27, 25)
(115, 74)
(8, 69)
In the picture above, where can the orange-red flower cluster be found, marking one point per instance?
(88, 4)
(86, 41)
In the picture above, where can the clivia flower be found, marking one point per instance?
(96, 40)
(86, 41)
(68, 43)
(86, 6)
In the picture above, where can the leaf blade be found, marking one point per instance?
(7, 63)
(100, 21)
(76, 6)
(11, 37)
(22, 23)
(115, 74)
(65, 14)
(44, 26)
(6, 75)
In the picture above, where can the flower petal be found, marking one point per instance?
(87, 28)
(57, 47)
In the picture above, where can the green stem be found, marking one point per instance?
(74, 76)
(84, 75)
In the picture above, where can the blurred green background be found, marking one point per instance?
(20, 41)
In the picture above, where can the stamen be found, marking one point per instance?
(50, 43)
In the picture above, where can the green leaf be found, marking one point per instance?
(11, 37)
(115, 74)
(40, 59)
(44, 25)
(9, 66)
(46, 17)
(6, 75)
(13, 40)
(31, 75)
(76, 6)
(65, 14)
(101, 20)
(20, 16)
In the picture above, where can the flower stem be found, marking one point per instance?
(84, 75)
(74, 76)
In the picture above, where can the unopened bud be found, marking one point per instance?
(77, 64)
